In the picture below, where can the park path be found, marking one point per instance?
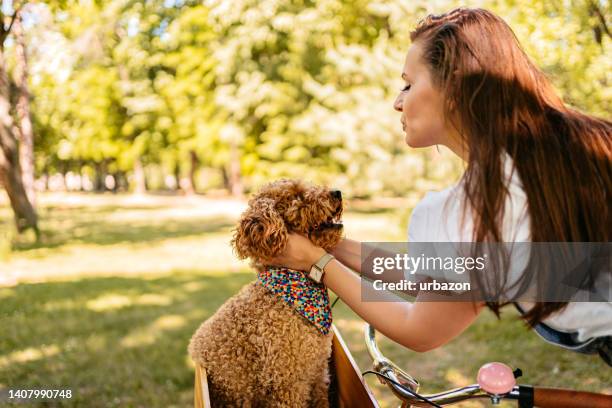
(206, 251)
(153, 234)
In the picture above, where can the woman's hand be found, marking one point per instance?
(300, 254)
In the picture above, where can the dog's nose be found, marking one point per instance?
(337, 194)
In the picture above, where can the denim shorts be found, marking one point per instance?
(595, 345)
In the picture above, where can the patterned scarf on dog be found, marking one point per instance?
(308, 298)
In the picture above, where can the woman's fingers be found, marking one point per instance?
(292, 256)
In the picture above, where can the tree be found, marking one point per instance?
(308, 89)
(571, 43)
(191, 120)
(10, 159)
(265, 89)
(22, 110)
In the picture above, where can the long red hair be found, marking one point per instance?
(501, 102)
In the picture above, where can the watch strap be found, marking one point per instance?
(324, 260)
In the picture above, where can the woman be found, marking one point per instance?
(536, 170)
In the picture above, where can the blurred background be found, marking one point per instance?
(132, 133)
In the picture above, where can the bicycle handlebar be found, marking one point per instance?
(388, 368)
(556, 397)
(533, 396)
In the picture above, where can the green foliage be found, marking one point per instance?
(569, 42)
(300, 89)
(190, 119)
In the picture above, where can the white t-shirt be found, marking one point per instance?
(437, 218)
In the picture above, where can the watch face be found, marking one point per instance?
(315, 274)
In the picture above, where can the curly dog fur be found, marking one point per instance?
(256, 349)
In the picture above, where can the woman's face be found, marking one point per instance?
(421, 104)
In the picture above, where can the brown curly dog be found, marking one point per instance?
(258, 351)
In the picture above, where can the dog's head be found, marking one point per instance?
(286, 206)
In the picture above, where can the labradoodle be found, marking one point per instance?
(270, 344)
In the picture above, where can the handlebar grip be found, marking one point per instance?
(557, 397)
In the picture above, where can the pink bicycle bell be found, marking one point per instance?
(496, 378)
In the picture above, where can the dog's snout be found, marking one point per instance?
(337, 194)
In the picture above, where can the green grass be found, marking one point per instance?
(106, 305)
(114, 341)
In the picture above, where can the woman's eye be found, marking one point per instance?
(407, 87)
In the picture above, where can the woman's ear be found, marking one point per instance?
(261, 232)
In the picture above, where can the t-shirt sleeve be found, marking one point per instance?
(417, 226)
(428, 233)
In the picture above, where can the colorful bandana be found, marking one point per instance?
(308, 298)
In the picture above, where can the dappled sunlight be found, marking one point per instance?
(138, 339)
(132, 303)
(96, 236)
(96, 342)
(149, 334)
(194, 286)
(66, 227)
(108, 302)
(115, 301)
(6, 293)
(179, 212)
(28, 355)
(456, 378)
(139, 331)
(58, 305)
(153, 299)
(159, 258)
(168, 322)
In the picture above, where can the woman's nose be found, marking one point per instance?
(397, 105)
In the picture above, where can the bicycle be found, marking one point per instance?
(495, 381)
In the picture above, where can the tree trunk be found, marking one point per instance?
(45, 177)
(226, 181)
(24, 120)
(177, 177)
(140, 186)
(235, 178)
(189, 181)
(98, 181)
(25, 214)
(122, 184)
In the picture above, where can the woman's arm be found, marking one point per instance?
(349, 253)
(421, 326)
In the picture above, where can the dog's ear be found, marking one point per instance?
(294, 214)
(261, 232)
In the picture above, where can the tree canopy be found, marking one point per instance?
(234, 93)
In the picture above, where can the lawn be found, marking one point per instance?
(106, 303)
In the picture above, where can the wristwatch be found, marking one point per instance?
(316, 271)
